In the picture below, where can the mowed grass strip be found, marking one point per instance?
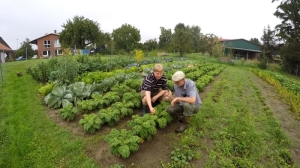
(28, 138)
(243, 129)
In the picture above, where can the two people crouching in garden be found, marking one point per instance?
(186, 101)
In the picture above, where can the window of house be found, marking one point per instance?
(47, 44)
(56, 43)
(46, 53)
(59, 52)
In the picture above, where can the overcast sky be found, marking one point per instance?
(229, 19)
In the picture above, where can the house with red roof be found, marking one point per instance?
(5, 51)
(48, 45)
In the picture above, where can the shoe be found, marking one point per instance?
(183, 127)
(185, 124)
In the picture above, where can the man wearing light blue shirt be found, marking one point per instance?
(186, 101)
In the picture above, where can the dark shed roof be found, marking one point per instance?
(241, 44)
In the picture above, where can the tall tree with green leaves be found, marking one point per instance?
(203, 44)
(150, 45)
(254, 40)
(268, 43)
(212, 40)
(25, 46)
(182, 39)
(289, 32)
(165, 38)
(126, 37)
(79, 33)
(197, 38)
(106, 38)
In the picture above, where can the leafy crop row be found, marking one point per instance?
(287, 88)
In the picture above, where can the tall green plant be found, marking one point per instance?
(66, 70)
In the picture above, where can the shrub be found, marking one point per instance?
(66, 71)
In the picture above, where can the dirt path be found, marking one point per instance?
(282, 113)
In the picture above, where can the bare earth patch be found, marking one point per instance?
(283, 114)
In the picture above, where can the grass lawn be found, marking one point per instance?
(27, 137)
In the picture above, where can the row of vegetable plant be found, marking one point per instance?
(66, 69)
(114, 95)
(287, 88)
(98, 101)
(144, 127)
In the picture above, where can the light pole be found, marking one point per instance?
(17, 44)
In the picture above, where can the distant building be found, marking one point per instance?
(48, 45)
(5, 51)
(241, 48)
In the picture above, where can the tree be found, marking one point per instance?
(25, 45)
(182, 39)
(218, 50)
(203, 44)
(255, 40)
(268, 43)
(165, 38)
(150, 45)
(289, 32)
(126, 37)
(211, 42)
(106, 38)
(80, 32)
(197, 38)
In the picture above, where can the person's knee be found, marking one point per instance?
(169, 109)
(186, 105)
(144, 101)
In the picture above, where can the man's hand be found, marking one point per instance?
(168, 95)
(174, 101)
(152, 110)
